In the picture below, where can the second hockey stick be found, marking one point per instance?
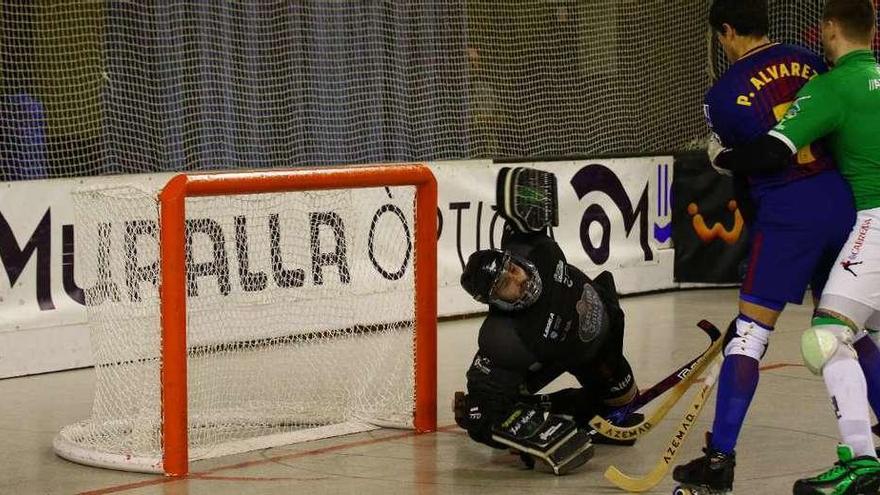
(637, 484)
(679, 381)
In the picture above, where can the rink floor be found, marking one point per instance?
(790, 431)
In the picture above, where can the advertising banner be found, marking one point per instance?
(709, 231)
(615, 215)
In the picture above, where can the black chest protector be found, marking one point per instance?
(570, 320)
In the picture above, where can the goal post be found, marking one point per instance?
(376, 328)
(173, 267)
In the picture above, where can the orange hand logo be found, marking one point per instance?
(707, 234)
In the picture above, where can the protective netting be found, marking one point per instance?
(791, 21)
(94, 88)
(300, 312)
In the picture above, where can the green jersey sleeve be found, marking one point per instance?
(815, 113)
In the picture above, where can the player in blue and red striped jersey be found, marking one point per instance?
(802, 216)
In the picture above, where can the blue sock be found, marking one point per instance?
(737, 383)
(869, 360)
(736, 388)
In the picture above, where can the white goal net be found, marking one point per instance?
(300, 310)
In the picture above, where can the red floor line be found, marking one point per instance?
(206, 474)
(130, 486)
(253, 478)
(781, 365)
(293, 455)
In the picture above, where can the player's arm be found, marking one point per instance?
(765, 155)
(492, 393)
(814, 114)
(546, 255)
(723, 132)
(496, 376)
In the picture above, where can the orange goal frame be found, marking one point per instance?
(172, 292)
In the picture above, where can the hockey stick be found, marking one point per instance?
(644, 483)
(679, 381)
(609, 430)
(670, 381)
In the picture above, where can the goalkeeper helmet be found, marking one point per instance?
(499, 278)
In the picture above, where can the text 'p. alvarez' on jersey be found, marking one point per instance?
(754, 93)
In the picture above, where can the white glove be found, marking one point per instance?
(714, 149)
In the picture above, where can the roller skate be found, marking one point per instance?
(711, 474)
(850, 475)
(698, 490)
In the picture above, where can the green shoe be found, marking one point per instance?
(849, 476)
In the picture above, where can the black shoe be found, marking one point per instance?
(712, 472)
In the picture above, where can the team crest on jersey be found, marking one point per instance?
(795, 107)
(591, 313)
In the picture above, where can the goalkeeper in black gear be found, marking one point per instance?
(546, 318)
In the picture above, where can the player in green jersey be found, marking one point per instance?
(843, 107)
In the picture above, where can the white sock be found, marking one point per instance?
(849, 395)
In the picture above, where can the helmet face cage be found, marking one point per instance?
(487, 269)
(532, 287)
(503, 274)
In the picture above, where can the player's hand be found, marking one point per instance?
(714, 149)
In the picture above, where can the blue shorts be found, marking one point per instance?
(795, 238)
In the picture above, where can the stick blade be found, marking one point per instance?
(710, 329)
(636, 484)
